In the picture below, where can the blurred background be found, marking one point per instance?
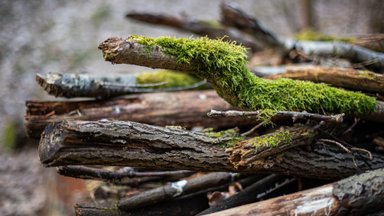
(41, 36)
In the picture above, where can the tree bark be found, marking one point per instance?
(340, 77)
(187, 109)
(356, 195)
(140, 145)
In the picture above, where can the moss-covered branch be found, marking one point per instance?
(224, 66)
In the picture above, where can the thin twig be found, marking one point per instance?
(294, 115)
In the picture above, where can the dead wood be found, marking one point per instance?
(252, 193)
(210, 29)
(357, 195)
(232, 15)
(118, 143)
(153, 108)
(340, 77)
(175, 189)
(119, 176)
(279, 115)
(93, 86)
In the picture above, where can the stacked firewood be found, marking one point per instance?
(160, 149)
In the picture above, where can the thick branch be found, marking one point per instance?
(356, 195)
(340, 77)
(187, 109)
(139, 145)
(120, 51)
(204, 28)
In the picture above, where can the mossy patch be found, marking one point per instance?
(226, 138)
(9, 140)
(367, 74)
(168, 77)
(224, 66)
(310, 34)
(271, 140)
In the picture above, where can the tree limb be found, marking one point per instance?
(153, 108)
(139, 145)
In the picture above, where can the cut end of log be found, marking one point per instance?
(48, 81)
(46, 149)
(109, 48)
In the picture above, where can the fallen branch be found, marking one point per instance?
(153, 108)
(212, 29)
(233, 81)
(175, 189)
(279, 115)
(232, 15)
(87, 85)
(356, 195)
(117, 176)
(340, 77)
(115, 143)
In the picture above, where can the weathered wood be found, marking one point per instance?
(175, 189)
(357, 195)
(232, 15)
(95, 86)
(250, 194)
(340, 77)
(121, 175)
(211, 29)
(139, 145)
(187, 109)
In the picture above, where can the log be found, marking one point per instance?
(232, 15)
(339, 77)
(211, 29)
(134, 144)
(357, 195)
(187, 109)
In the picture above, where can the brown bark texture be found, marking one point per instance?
(134, 144)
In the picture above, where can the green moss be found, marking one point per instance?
(168, 77)
(226, 138)
(271, 140)
(213, 24)
(367, 74)
(310, 34)
(9, 136)
(224, 66)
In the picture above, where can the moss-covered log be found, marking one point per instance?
(224, 66)
(140, 145)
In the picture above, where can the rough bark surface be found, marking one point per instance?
(139, 145)
(187, 109)
(339, 77)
